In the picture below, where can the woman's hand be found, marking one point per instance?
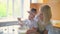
(32, 31)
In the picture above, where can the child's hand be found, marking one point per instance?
(19, 19)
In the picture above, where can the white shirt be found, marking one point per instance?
(36, 18)
(30, 23)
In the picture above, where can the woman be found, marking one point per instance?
(43, 19)
(46, 11)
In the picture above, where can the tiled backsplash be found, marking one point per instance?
(55, 21)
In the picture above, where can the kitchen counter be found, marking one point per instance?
(57, 25)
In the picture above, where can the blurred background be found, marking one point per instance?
(10, 10)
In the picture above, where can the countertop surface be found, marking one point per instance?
(57, 25)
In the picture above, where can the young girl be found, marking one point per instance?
(30, 22)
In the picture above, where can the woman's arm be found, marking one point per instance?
(32, 30)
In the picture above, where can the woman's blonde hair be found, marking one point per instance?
(46, 10)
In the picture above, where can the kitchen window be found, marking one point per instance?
(14, 8)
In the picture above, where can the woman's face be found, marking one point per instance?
(41, 16)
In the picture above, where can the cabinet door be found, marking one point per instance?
(36, 6)
(55, 8)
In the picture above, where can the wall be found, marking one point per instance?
(35, 5)
(55, 8)
(42, 1)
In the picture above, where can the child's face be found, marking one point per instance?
(31, 16)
